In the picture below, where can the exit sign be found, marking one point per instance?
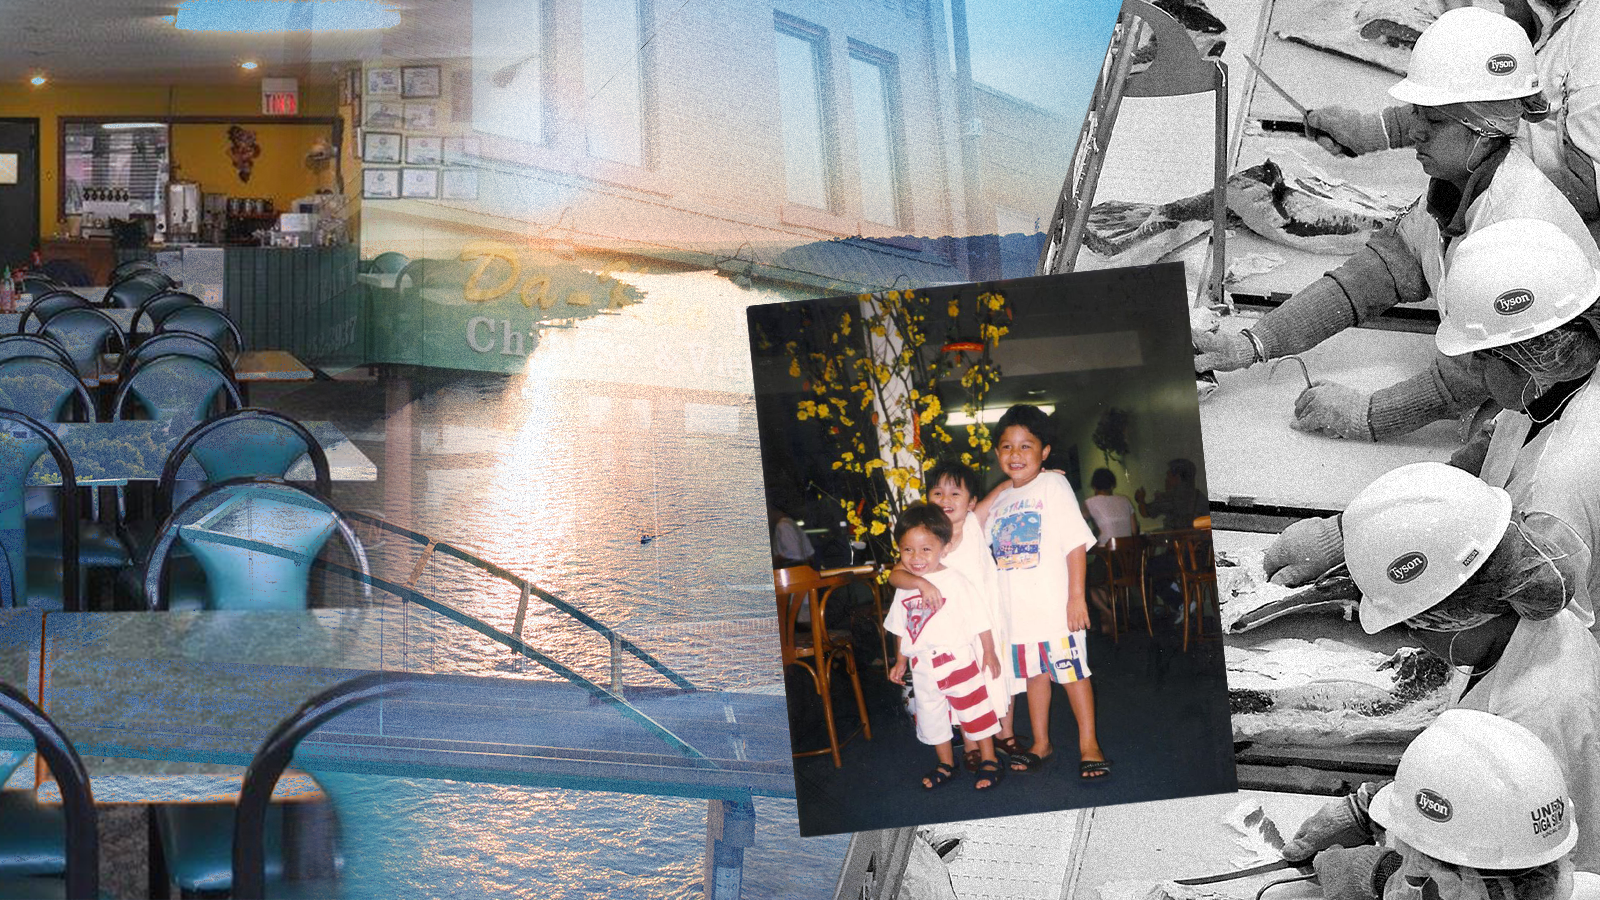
(280, 97)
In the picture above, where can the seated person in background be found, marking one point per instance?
(790, 546)
(1113, 517)
(1180, 503)
(948, 650)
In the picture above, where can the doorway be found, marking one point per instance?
(19, 190)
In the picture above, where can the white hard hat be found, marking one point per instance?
(1510, 281)
(1469, 54)
(1417, 533)
(1475, 789)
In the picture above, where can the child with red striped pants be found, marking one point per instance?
(945, 649)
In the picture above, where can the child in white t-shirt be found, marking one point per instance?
(953, 487)
(1040, 544)
(946, 648)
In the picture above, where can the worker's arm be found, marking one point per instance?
(1580, 132)
(1451, 386)
(1343, 131)
(1383, 273)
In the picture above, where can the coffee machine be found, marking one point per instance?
(183, 212)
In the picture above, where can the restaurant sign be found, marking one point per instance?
(485, 309)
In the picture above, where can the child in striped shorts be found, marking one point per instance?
(944, 648)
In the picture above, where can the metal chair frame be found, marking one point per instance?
(14, 345)
(144, 309)
(275, 754)
(112, 328)
(77, 799)
(46, 305)
(165, 323)
(173, 343)
(70, 601)
(169, 473)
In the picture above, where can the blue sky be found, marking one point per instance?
(1047, 53)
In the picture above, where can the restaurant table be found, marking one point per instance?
(173, 703)
(108, 454)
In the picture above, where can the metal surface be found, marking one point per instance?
(1245, 873)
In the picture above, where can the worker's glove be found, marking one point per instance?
(1347, 132)
(1342, 823)
(1332, 409)
(1356, 873)
(1223, 351)
(1476, 433)
(1305, 551)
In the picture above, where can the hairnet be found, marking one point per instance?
(1532, 572)
(1501, 118)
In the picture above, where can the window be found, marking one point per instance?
(805, 154)
(871, 84)
(508, 71)
(613, 86)
(130, 160)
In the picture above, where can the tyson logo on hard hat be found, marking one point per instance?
(1513, 301)
(1433, 805)
(1407, 567)
(1502, 64)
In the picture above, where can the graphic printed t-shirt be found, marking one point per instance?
(1031, 531)
(957, 623)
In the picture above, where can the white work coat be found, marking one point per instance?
(1517, 191)
(1546, 681)
(1568, 60)
(1558, 472)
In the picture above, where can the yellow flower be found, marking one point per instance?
(878, 528)
(794, 368)
(955, 309)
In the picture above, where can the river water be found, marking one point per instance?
(626, 425)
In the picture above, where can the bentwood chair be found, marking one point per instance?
(868, 577)
(1125, 580)
(817, 650)
(1197, 575)
(79, 853)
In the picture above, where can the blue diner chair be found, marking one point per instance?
(86, 334)
(42, 584)
(153, 307)
(179, 388)
(129, 266)
(12, 345)
(176, 343)
(47, 304)
(212, 324)
(255, 539)
(37, 284)
(388, 263)
(77, 861)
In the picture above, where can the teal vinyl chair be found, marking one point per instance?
(129, 266)
(80, 844)
(86, 334)
(47, 304)
(155, 306)
(181, 388)
(388, 263)
(256, 540)
(175, 343)
(23, 440)
(34, 345)
(212, 324)
(351, 802)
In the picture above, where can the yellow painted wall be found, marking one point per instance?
(200, 153)
(52, 100)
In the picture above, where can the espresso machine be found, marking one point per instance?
(183, 212)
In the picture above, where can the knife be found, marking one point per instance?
(1281, 864)
(1278, 88)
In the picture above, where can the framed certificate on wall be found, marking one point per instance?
(420, 183)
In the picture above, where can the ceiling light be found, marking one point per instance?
(114, 126)
(38, 80)
(989, 416)
(284, 15)
(248, 64)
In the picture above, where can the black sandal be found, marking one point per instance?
(1009, 746)
(990, 773)
(942, 774)
(1094, 770)
(1028, 762)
